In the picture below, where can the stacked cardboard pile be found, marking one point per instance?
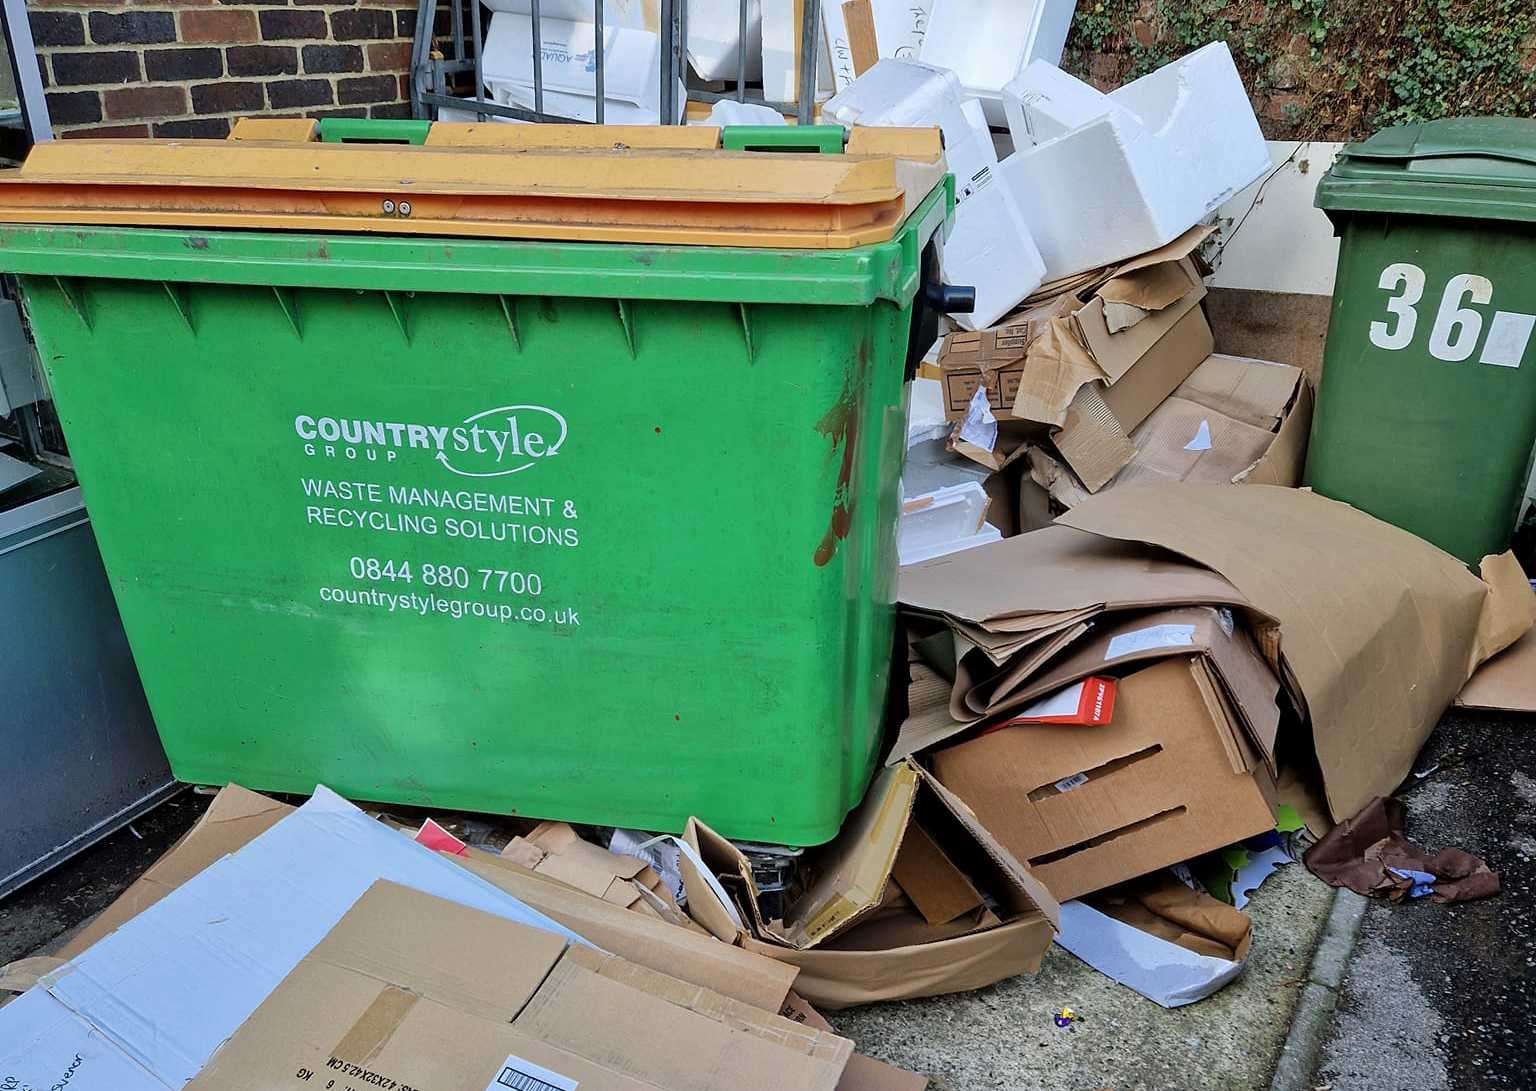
(1113, 380)
(1131, 689)
(275, 944)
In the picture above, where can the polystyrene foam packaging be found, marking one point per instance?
(944, 522)
(986, 43)
(989, 246)
(1101, 178)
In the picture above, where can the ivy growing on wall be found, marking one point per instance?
(1330, 69)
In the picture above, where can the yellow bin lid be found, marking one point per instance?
(668, 184)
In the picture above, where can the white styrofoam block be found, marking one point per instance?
(781, 44)
(988, 42)
(714, 32)
(896, 94)
(149, 1004)
(730, 112)
(990, 248)
(1043, 102)
(1174, 146)
(953, 518)
(899, 29)
(631, 60)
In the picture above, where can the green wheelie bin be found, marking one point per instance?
(1427, 413)
(500, 468)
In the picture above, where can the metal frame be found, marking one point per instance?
(432, 78)
(35, 125)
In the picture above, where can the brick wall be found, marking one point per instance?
(170, 68)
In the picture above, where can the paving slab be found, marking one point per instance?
(1006, 1037)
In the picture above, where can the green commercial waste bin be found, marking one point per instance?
(1427, 413)
(595, 530)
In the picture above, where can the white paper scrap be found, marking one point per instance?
(979, 426)
(1163, 972)
(1064, 702)
(1154, 636)
(1260, 866)
(1202, 440)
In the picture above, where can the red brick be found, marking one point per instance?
(152, 101)
(110, 132)
(389, 56)
(219, 25)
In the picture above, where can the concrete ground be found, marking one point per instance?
(1443, 997)
(1005, 1037)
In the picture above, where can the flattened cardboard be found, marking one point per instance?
(415, 990)
(234, 818)
(680, 952)
(236, 929)
(1506, 683)
(854, 964)
(237, 816)
(1379, 628)
(867, 1074)
(1088, 809)
(1058, 570)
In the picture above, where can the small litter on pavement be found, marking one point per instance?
(1370, 855)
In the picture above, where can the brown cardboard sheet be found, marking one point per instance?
(1379, 630)
(412, 990)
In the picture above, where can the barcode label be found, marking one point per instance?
(1076, 780)
(520, 1075)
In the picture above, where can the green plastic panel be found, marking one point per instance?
(1427, 413)
(591, 532)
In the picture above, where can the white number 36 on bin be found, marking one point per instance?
(1459, 321)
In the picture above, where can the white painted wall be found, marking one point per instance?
(1270, 237)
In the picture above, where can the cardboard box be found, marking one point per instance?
(1234, 420)
(1172, 777)
(1121, 643)
(1380, 629)
(1094, 330)
(411, 990)
(914, 898)
(1095, 438)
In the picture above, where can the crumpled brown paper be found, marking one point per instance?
(1359, 853)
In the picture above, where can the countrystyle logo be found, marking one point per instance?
(492, 443)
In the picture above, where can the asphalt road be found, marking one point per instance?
(1443, 997)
